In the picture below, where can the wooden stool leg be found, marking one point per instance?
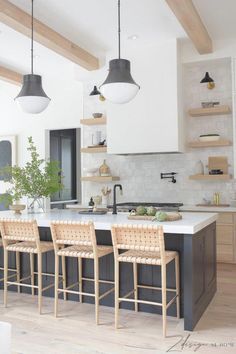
(163, 291)
(5, 276)
(56, 284)
(177, 286)
(63, 262)
(18, 270)
(96, 286)
(40, 282)
(135, 271)
(116, 293)
(80, 278)
(32, 271)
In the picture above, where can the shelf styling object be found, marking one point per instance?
(208, 80)
(104, 170)
(90, 171)
(37, 180)
(209, 104)
(119, 86)
(218, 163)
(105, 195)
(17, 208)
(199, 168)
(97, 115)
(209, 137)
(32, 98)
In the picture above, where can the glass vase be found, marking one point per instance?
(36, 205)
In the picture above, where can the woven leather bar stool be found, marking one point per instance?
(144, 244)
(22, 236)
(78, 240)
(11, 270)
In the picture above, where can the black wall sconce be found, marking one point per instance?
(207, 79)
(169, 175)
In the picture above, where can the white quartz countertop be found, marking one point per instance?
(191, 223)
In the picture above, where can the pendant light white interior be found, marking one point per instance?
(33, 104)
(32, 98)
(119, 86)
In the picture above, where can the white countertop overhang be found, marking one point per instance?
(191, 223)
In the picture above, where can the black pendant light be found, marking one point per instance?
(32, 98)
(207, 79)
(119, 86)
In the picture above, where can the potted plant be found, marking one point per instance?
(37, 180)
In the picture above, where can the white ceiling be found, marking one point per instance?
(219, 16)
(92, 24)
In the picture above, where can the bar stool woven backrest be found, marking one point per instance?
(73, 233)
(138, 237)
(19, 230)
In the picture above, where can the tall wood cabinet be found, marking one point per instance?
(226, 237)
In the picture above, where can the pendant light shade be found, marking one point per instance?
(119, 86)
(206, 78)
(32, 98)
(95, 92)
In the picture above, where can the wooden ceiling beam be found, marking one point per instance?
(20, 21)
(10, 76)
(190, 20)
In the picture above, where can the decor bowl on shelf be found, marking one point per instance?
(17, 208)
(97, 115)
(209, 137)
(90, 171)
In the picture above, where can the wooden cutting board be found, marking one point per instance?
(170, 217)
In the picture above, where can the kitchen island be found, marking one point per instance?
(194, 237)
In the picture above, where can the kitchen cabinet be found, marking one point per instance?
(153, 121)
(225, 237)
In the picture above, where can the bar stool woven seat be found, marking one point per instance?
(29, 247)
(22, 236)
(84, 251)
(145, 257)
(78, 239)
(144, 244)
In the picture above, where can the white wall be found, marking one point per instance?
(64, 111)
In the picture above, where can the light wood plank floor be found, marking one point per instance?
(75, 331)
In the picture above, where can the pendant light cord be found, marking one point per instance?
(32, 38)
(119, 28)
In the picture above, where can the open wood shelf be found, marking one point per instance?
(93, 121)
(217, 143)
(210, 111)
(94, 150)
(100, 179)
(210, 177)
